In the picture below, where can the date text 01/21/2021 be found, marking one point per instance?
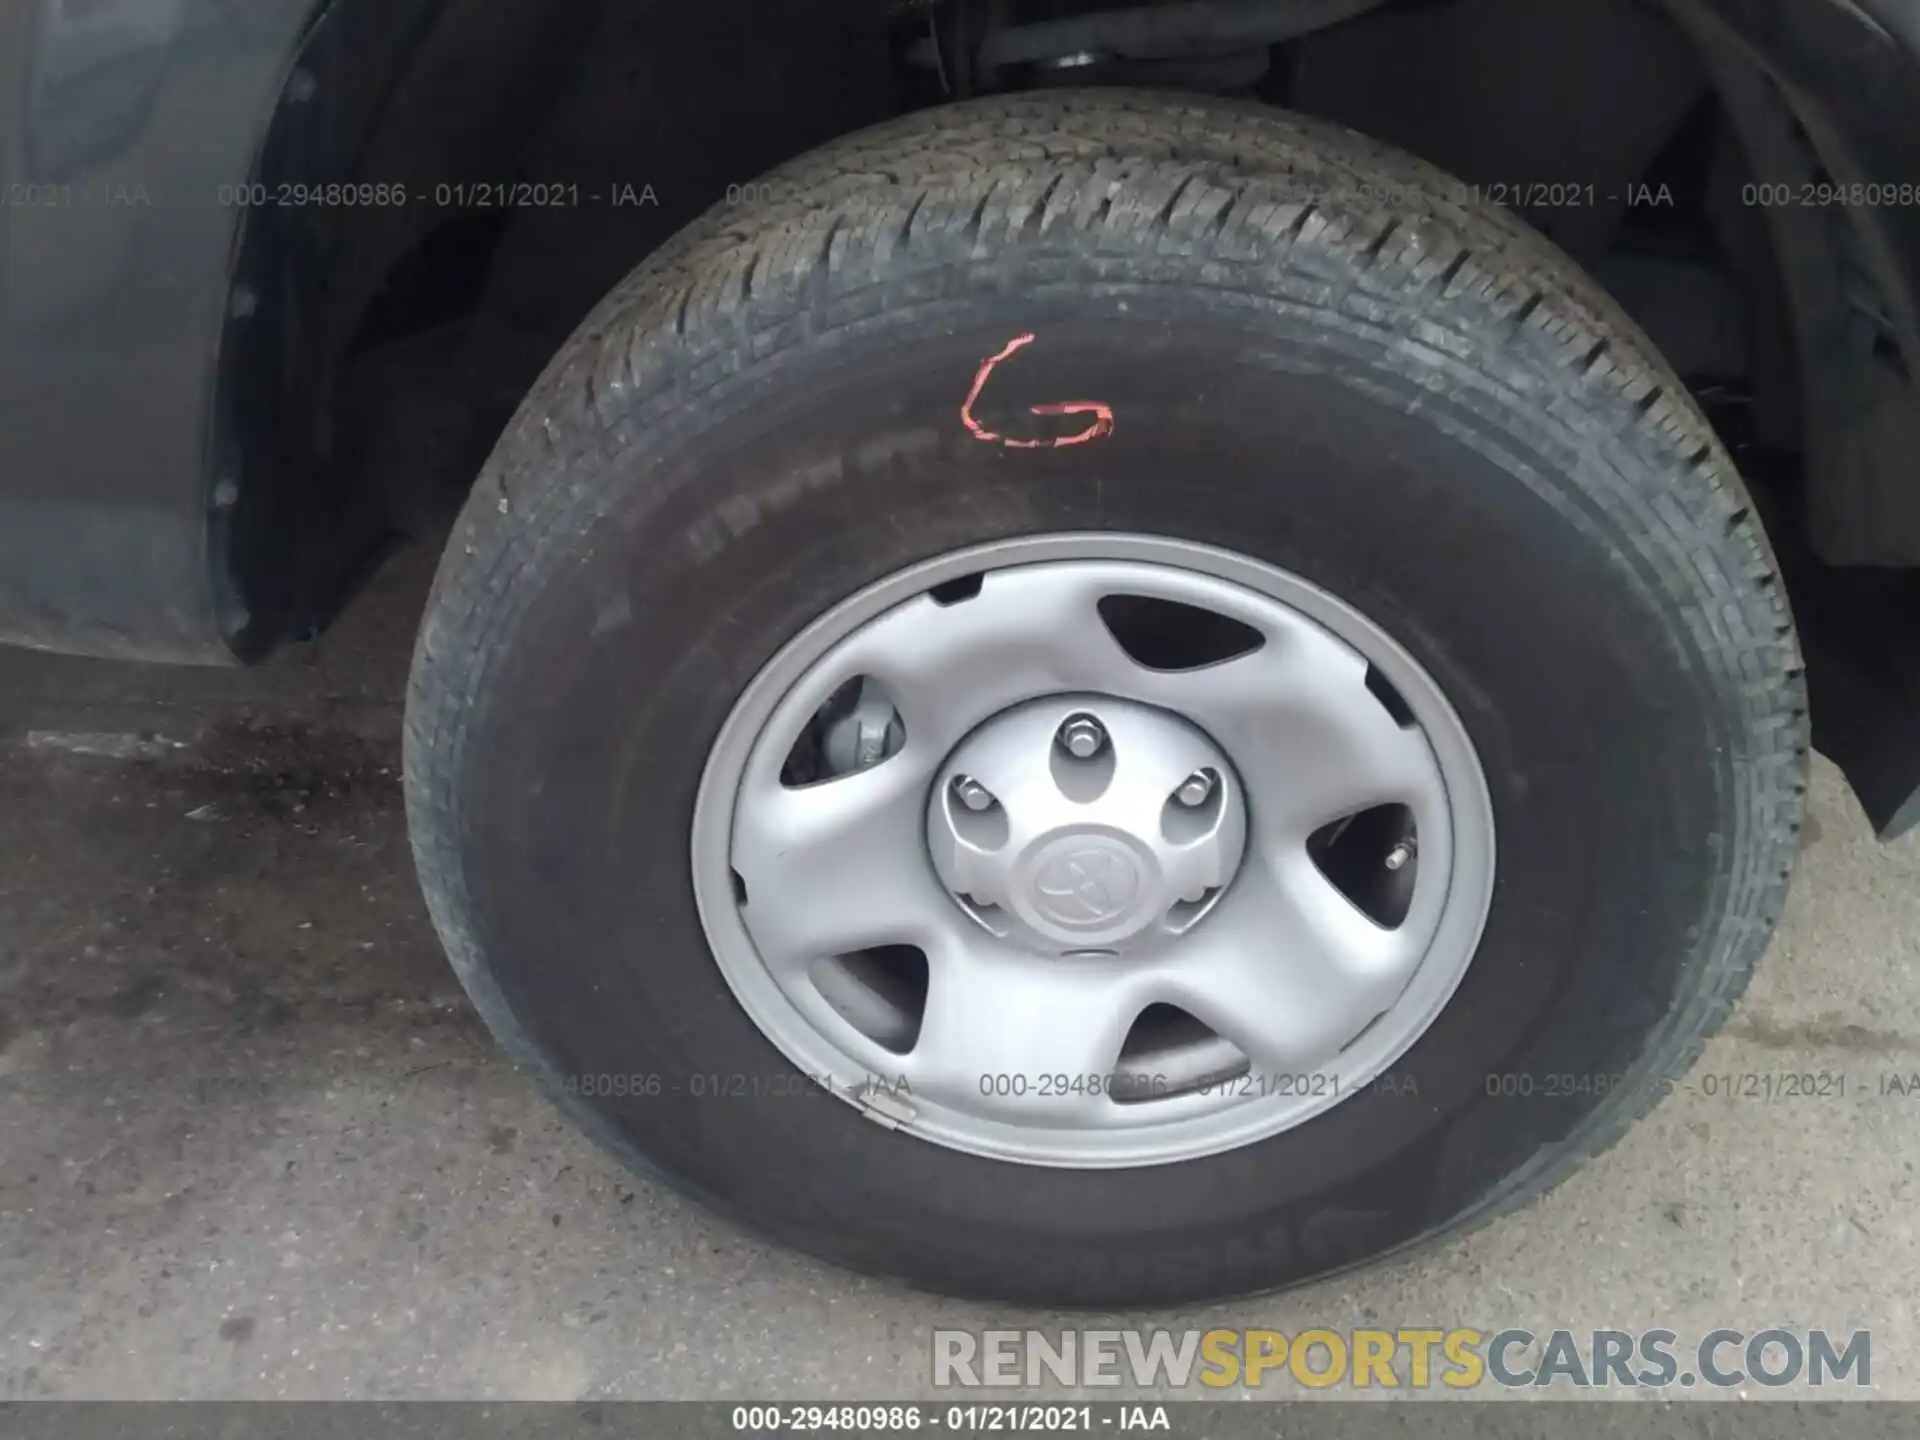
(910, 1416)
(1711, 1085)
(459, 195)
(779, 1085)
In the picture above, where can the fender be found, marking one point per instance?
(117, 276)
(163, 446)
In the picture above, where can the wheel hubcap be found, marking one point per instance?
(1086, 848)
(1093, 851)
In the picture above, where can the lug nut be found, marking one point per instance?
(1082, 736)
(972, 793)
(1195, 789)
(1398, 857)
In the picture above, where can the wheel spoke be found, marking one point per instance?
(837, 866)
(1311, 742)
(1029, 631)
(1008, 1035)
(1287, 968)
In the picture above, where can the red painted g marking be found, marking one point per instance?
(1101, 425)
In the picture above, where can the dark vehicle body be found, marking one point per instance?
(233, 232)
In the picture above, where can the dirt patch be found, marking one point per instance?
(282, 768)
(242, 765)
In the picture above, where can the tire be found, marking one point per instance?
(1316, 353)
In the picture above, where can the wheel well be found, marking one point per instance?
(404, 335)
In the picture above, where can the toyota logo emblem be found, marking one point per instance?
(1088, 885)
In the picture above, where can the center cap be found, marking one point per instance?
(1086, 823)
(1086, 881)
